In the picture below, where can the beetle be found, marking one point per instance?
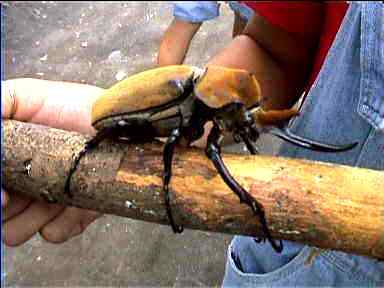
(176, 102)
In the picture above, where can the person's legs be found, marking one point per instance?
(250, 264)
(329, 113)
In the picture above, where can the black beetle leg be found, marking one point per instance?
(251, 148)
(286, 135)
(213, 153)
(167, 158)
(89, 145)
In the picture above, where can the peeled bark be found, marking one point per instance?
(324, 205)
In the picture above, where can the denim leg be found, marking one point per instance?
(329, 114)
(251, 264)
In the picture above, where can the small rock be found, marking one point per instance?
(36, 11)
(44, 58)
(129, 204)
(120, 75)
(115, 56)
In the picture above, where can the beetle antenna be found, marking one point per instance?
(258, 104)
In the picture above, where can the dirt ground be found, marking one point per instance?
(98, 43)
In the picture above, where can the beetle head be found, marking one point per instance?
(218, 86)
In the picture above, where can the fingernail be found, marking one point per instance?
(83, 225)
(4, 199)
(76, 231)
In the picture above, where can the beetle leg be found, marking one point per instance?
(89, 145)
(286, 135)
(213, 152)
(247, 132)
(167, 157)
(251, 148)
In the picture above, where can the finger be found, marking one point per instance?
(4, 199)
(18, 105)
(17, 205)
(72, 222)
(22, 227)
(87, 219)
(62, 105)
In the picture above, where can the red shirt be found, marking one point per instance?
(297, 17)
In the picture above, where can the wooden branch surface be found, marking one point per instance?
(324, 205)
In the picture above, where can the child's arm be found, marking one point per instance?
(175, 42)
(188, 17)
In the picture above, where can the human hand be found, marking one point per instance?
(61, 105)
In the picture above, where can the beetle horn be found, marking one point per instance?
(286, 135)
(272, 117)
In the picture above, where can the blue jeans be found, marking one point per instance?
(244, 11)
(258, 265)
(345, 104)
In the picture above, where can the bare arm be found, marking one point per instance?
(175, 42)
(280, 60)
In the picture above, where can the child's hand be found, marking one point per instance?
(59, 105)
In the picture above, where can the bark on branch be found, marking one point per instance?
(324, 205)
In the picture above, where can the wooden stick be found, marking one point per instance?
(324, 205)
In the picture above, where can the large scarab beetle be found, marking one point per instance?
(175, 102)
